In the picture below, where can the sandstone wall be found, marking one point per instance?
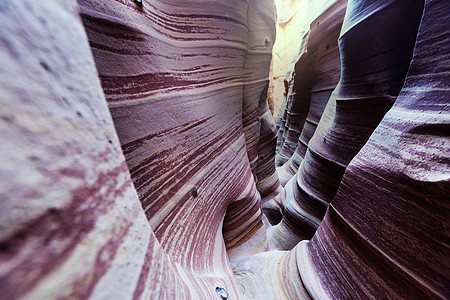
(182, 85)
(293, 21)
(72, 226)
(383, 236)
(137, 146)
(375, 50)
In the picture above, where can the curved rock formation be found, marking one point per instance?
(176, 84)
(315, 76)
(267, 181)
(293, 22)
(374, 67)
(181, 118)
(75, 223)
(384, 234)
(258, 125)
(293, 114)
(71, 225)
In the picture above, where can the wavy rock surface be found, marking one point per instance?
(184, 87)
(258, 124)
(293, 21)
(71, 225)
(315, 76)
(374, 67)
(295, 109)
(176, 84)
(382, 236)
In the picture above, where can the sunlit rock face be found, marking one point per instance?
(315, 75)
(376, 51)
(313, 78)
(382, 235)
(293, 21)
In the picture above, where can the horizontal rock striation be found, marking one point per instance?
(294, 18)
(184, 82)
(71, 224)
(373, 69)
(315, 76)
(185, 85)
(383, 235)
(296, 107)
(258, 125)
(176, 83)
(267, 180)
(388, 215)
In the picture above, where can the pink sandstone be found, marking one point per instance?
(138, 148)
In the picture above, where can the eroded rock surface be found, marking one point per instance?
(141, 175)
(315, 76)
(71, 225)
(293, 22)
(382, 235)
(176, 84)
(374, 67)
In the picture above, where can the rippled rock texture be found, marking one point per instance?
(314, 77)
(293, 21)
(375, 51)
(185, 89)
(137, 148)
(186, 85)
(383, 235)
(71, 225)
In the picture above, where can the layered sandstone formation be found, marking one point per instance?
(374, 67)
(384, 235)
(293, 21)
(314, 77)
(308, 88)
(71, 223)
(187, 94)
(187, 109)
(137, 146)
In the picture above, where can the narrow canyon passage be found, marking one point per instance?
(239, 149)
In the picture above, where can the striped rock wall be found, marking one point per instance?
(314, 78)
(374, 66)
(71, 225)
(310, 84)
(294, 18)
(177, 85)
(385, 235)
(73, 220)
(184, 89)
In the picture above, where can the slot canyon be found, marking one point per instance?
(238, 149)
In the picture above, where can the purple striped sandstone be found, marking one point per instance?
(385, 235)
(184, 89)
(376, 50)
(175, 83)
(305, 68)
(315, 76)
(71, 223)
(294, 18)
